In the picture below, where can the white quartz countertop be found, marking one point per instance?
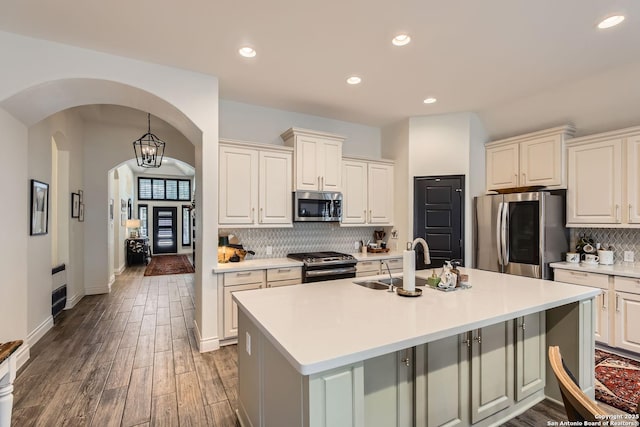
(374, 256)
(325, 325)
(256, 264)
(626, 269)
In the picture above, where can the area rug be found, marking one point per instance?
(169, 264)
(617, 381)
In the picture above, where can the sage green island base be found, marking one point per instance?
(411, 361)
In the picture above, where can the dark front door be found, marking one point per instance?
(439, 218)
(165, 239)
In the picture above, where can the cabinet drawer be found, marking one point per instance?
(367, 266)
(627, 284)
(243, 277)
(582, 278)
(284, 282)
(284, 273)
(393, 263)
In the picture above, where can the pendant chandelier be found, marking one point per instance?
(149, 148)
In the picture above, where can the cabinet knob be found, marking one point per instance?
(617, 213)
(405, 361)
(467, 342)
(478, 339)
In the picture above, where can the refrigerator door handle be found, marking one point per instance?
(499, 233)
(503, 234)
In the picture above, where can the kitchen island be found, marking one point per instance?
(335, 353)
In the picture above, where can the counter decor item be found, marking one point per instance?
(585, 244)
(434, 279)
(606, 257)
(409, 269)
(572, 257)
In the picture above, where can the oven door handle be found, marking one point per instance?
(329, 272)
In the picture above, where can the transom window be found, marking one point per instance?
(164, 189)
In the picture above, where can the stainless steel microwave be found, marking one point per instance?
(317, 206)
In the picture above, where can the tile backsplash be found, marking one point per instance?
(622, 239)
(303, 237)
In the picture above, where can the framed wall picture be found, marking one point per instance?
(81, 213)
(39, 208)
(75, 205)
(81, 193)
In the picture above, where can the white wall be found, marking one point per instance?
(13, 254)
(451, 144)
(125, 192)
(261, 124)
(74, 76)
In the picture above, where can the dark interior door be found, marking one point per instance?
(439, 218)
(165, 240)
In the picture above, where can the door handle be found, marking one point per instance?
(617, 302)
(604, 301)
(505, 229)
(630, 214)
(322, 180)
(253, 214)
(524, 178)
(499, 233)
(467, 341)
(516, 176)
(260, 216)
(319, 188)
(617, 213)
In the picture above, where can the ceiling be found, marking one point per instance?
(521, 65)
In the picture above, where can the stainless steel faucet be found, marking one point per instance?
(390, 276)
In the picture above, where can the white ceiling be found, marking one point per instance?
(521, 65)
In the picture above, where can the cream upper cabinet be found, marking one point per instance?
(274, 184)
(533, 159)
(238, 185)
(367, 188)
(595, 183)
(633, 179)
(318, 156)
(254, 185)
(502, 166)
(604, 181)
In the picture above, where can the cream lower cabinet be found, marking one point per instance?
(530, 354)
(367, 188)
(254, 185)
(603, 319)
(376, 267)
(285, 276)
(236, 282)
(627, 313)
(465, 379)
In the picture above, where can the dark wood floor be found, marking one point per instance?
(128, 358)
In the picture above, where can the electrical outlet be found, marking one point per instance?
(269, 250)
(628, 256)
(248, 343)
(356, 245)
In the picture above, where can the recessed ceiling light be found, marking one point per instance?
(354, 80)
(611, 21)
(430, 100)
(401, 40)
(247, 51)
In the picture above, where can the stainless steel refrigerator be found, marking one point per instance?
(520, 233)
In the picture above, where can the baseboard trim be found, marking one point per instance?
(39, 331)
(96, 290)
(121, 269)
(205, 344)
(22, 355)
(71, 302)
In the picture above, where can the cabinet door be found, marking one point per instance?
(231, 308)
(502, 166)
(627, 321)
(275, 188)
(336, 397)
(491, 370)
(238, 184)
(633, 179)
(308, 173)
(442, 382)
(602, 318)
(594, 192)
(354, 192)
(330, 154)
(530, 354)
(380, 186)
(541, 161)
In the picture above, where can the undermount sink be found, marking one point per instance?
(397, 281)
(372, 284)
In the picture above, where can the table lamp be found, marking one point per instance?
(134, 225)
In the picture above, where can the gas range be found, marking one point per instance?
(319, 266)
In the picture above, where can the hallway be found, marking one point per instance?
(128, 358)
